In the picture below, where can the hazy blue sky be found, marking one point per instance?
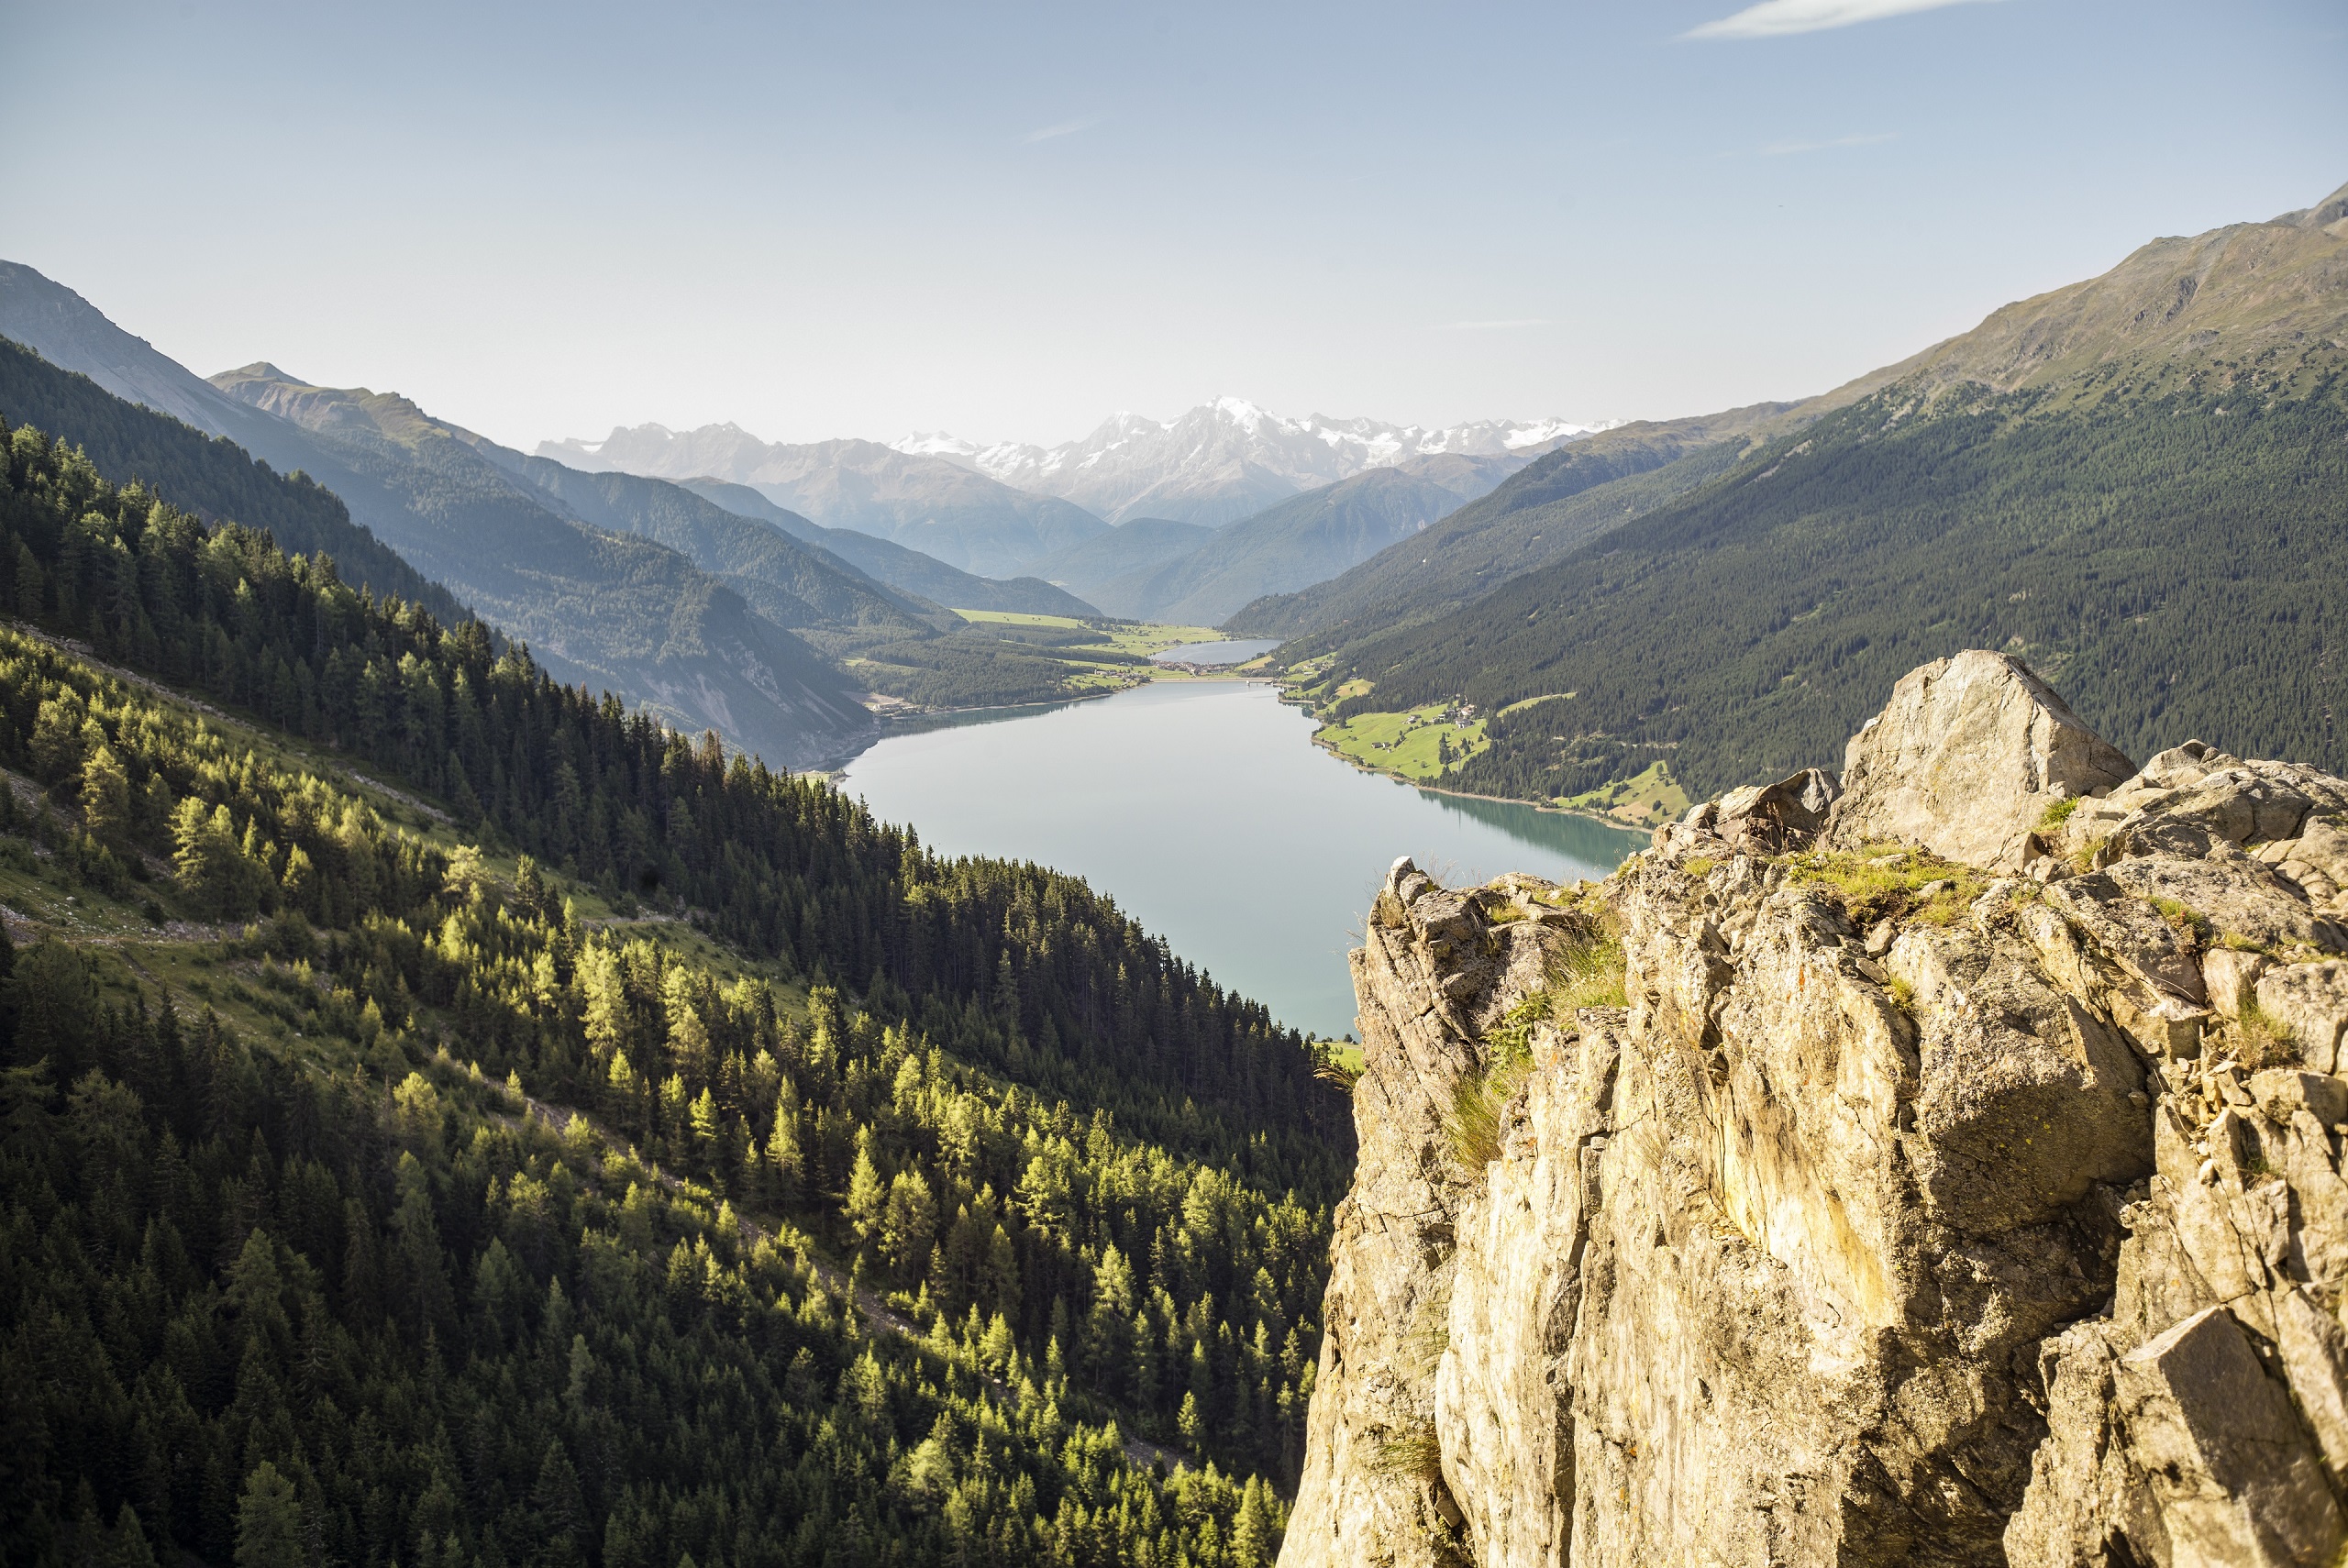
(1008, 220)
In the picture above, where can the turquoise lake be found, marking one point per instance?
(1206, 811)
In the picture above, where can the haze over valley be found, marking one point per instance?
(1711, 925)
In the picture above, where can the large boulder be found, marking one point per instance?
(1965, 759)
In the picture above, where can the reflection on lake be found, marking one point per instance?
(1205, 811)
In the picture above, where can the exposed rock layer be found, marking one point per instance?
(1910, 1211)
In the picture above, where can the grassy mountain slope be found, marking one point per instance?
(210, 474)
(378, 1186)
(1543, 514)
(894, 564)
(2140, 482)
(629, 613)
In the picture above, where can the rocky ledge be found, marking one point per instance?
(1935, 1165)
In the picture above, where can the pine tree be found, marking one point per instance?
(866, 1194)
(106, 796)
(1252, 1542)
(268, 1522)
(784, 1165)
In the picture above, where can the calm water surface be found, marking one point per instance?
(1205, 811)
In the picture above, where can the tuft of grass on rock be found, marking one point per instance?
(1413, 1455)
(1589, 974)
(1890, 879)
(1473, 1126)
(2182, 919)
(2266, 1041)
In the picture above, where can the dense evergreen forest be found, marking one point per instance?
(295, 1272)
(896, 644)
(2171, 551)
(211, 476)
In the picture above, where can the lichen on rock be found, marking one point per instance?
(1958, 1182)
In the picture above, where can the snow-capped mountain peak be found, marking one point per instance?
(1227, 459)
(939, 444)
(1240, 411)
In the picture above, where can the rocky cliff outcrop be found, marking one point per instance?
(1936, 1166)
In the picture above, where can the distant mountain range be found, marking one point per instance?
(1002, 511)
(894, 564)
(1300, 541)
(1019, 511)
(942, 509)
(1229, 459)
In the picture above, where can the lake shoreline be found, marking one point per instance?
(1156, 798)
(887, 724)
(1541, 806)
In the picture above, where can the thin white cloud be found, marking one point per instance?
(1788, 149)
(1498, 326)
(1777, 18)
(1046, 133)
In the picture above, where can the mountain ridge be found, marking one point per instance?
(961, 517)
(1297, 542)
(211, 474)
(1226, 460)
(2056, 482)
(596, 606)
(2151, 297)
(616, 607)
(1544, 511)
(895, 564)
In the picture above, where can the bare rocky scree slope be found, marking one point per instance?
(1968, 1198)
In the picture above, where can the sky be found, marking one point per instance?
(1009, 220)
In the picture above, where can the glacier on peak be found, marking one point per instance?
(1214, 464)
(1230, 457)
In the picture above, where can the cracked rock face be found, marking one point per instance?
(1910, 1209)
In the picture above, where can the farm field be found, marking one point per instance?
(1424, 744)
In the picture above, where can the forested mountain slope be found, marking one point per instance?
(210, 474)
(623, 612)
(954, 1165)
(1543, 514)
(2140, 483)
(601, 608)
(894, 564)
